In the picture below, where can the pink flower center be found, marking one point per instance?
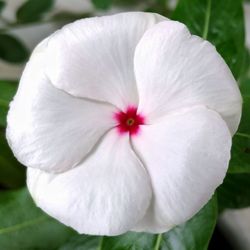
(129, 121)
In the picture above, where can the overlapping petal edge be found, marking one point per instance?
(61, 124)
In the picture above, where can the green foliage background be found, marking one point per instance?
(24, 226)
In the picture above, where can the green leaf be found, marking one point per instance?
(158, 6)
(82, 242)
(24, 226)
(221, 22)
(66, 17)
(130, 241)
(12, 173)
(12, 50)
(195, 233)
(8, 90)
(128, 3)
(2, 4)
(245, 84)
(33, 10)
(244, 80)
(240, 153)
(102, 4)
(234, 192)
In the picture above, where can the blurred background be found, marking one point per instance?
(23, 24)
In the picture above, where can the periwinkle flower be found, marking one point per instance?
(125, 123)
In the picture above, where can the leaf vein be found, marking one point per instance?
(22, 225)
(207, 19)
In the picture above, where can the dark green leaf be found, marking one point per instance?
(158, 6)
(2, 4)
(12, 50)
(130, 241)
(12, 173)
(24, 226)
(221, 22)
(195, 233)
(66, 17)
(244, 81)
(240, 160)
(245, 74)
(234, 192)
(82, 242)
(7, 91)
(102, 4)
(240, 153)
(245, 85)
(33, 10)
(129, 3)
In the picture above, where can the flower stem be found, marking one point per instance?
(158, 242)
(243, 135)
(207, 19)
(100, 243)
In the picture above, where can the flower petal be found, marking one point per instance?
(175, 69)
(106, 195)
(48, 128)
(187, 156)
(97, 55)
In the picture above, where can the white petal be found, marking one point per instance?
(93, 57)
(187, 157)
(49, 129)
(106, 195)
(175, 69)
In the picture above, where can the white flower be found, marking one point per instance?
(125, 123)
